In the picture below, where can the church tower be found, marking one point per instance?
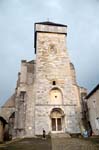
(57, 102)
(47, 96)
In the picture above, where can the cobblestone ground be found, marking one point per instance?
(74, 144)
(53, 144)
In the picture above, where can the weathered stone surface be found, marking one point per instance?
(45, 85)
(53, 63)
(93, 109)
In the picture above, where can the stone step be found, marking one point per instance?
(60, 135)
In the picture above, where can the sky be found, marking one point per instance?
(17, 18)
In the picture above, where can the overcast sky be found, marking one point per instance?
(17, 18)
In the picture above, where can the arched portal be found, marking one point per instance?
(57, 119)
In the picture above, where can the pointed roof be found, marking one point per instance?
(10, 102)
(93, 91)
(51, 23)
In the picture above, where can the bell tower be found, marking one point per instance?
(54, 86)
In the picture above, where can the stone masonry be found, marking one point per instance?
(47, 96)
(53, 64)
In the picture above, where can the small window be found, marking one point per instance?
(22, 95)
(54, 82)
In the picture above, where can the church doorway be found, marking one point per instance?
(56, 124)
(57, 120)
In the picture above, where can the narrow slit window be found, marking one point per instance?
(54, 82)
(22, 95)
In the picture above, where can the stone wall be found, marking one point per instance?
(24, 116)
(51, 70)
(93, 109)
(53, 64)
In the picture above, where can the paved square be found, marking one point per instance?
(73, 144)
(53, 144)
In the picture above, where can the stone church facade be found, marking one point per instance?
(47, 95)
